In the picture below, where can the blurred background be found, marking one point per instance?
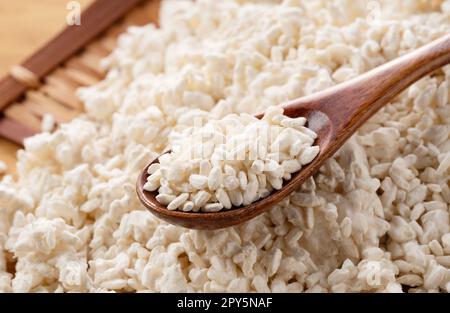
(25, 25)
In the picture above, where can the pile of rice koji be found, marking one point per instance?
(374, 218)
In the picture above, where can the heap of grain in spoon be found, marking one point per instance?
(231, 162)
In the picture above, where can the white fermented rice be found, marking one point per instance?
(209, 158)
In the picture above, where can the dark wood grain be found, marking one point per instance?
(335, 114)
(94, 20)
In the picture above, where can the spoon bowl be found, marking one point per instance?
(334, 114)
(317, 121)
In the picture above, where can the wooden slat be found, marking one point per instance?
(144, 15)
(108, 43)
(61, 83)
(116, 30)
(59, 112)
(19, 113)
(68, 99)
(81, 77)
(57, 95)
(61, 76)
(94, 20)
(97, 48)
(89, 62)
(14, 131)
(64, 77)
(41, 99)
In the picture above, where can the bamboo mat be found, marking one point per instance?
(34, 22)
(38, 22)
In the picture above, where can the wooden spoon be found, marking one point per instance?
(334, 114)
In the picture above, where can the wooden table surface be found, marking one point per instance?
(25, 25)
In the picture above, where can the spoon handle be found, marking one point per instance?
(350, 104)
